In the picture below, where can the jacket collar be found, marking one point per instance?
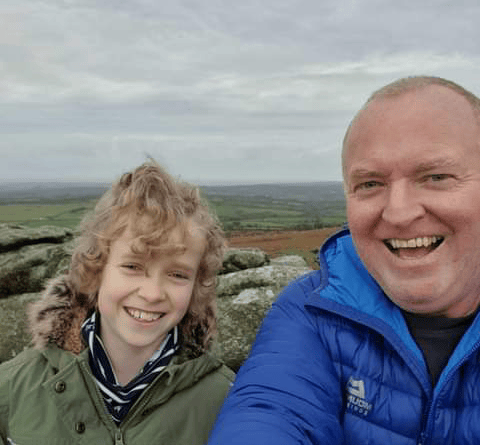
(346, 288)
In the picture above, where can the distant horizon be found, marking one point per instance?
(199, 184)
(36, 191)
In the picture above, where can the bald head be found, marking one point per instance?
(405, 86)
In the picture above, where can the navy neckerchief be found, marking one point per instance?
(119, 399)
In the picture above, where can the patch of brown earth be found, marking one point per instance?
(275, 243)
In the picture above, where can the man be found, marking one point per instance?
(382, 344)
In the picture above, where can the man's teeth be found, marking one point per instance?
(142, 315)
(424, 241)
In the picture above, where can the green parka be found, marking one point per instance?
(48, 394)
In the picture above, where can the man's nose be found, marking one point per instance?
(403, 204)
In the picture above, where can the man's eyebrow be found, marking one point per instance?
(361, 173)
(427, 166)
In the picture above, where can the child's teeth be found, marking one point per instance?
(142, 315)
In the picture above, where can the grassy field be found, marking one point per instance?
(254, 213)
(278, 221)
(239, 210)
(234, 215)
(66, 214)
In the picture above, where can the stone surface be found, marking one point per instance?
(30, 256)
(243, 305)
(27, 268)
(14, 336)
(238, 320)
(241, 259)
(275, 276)
(289, 260)
(14, 236)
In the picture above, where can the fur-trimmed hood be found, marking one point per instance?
(57, 317)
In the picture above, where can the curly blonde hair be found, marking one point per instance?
(151, 202)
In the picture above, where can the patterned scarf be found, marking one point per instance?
(119, 399)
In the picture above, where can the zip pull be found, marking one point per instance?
(422, 438)
(119, 438)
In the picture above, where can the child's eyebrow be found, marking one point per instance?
(132, 256)
(182, 265)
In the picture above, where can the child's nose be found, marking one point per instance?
(152, 289)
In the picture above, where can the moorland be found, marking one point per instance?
(280, 218)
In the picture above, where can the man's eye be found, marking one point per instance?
(367, 185)
(439, 177)
(441, 181)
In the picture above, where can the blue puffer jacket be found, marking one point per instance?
(334, 363)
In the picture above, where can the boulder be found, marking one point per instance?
(13, 236)
(14, 337)
(27, 268)
(238, 320)
(241, 259)
(289, 260)
(243, 300)
(273, 276)
(30, 256)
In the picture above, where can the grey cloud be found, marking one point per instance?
(238, 89)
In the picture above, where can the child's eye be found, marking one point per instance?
(179, 275)
(132, 267)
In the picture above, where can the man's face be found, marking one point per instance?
(412, 178)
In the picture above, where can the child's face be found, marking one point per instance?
(140, 298)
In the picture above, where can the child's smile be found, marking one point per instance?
(145, 316)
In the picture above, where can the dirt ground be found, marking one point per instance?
(284, 242)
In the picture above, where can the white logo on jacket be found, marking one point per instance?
(356, 402)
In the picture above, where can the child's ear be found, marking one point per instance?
(92, 301)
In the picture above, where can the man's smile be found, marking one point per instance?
(429, 243)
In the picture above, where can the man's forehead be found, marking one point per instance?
(439, 116)
(433, 103)
(430, 98)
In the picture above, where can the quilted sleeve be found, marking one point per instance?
(287, 392)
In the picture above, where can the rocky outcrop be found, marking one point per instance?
(29, 257)
(246, 287)
(14, 337)
(241, 259)
(243, 299)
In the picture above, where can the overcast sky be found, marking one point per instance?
(216, 90)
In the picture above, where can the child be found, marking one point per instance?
(121, 341)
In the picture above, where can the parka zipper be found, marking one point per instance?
(119, 437)
(422, 438)
(423, 435)
(452, 371)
